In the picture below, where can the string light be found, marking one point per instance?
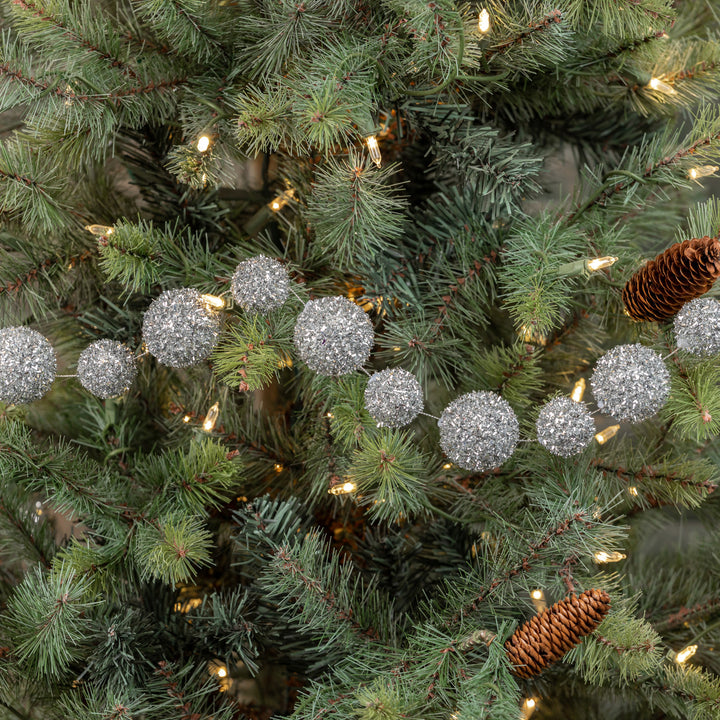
(661, 86)
(278, 467)
(528, 708)
(211, 418)
(213, 302)
(685, 654)
(329, 415)
(578, 390)
(374, 150)
(601, 262)
(484, 21)
(604, 435)
(282, 200)
(603, 557)
(702, 171)
(187, 419)
(538, 600)
(203, 143)
(447, 466)
(342, 488)
(222, 672)
(633, 491)
(100, 229)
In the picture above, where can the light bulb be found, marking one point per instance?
(222, 672)
(99, 229)
(633, 491)
(447, 466)
(203, 143)
(211, 418)
(187, 419)
(537, 594)
(604, 435)
(538, 600)
(484, 21)
(213, 302)
(603, 557)
(278, 467)
(601, 262)
(578, 390)
(661, 86)
(374, 150)
(528, 708)
(342, 488)
(702, 171)
(281, 200)
(685, 654)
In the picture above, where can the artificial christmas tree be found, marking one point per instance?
(289, 322)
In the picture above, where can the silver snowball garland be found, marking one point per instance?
(393, 397)
(565, 427)
(697, 326)
(27, 365)
(179, 329)
(630, 382)
(106, 368)
(333, 336)
(479, 431)
(260, 284)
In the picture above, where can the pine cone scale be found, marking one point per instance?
(547, 637)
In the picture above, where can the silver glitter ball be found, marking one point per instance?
(179, 329)
(697, 326)
(393, 397)
(333, 336)
(27, 365)
(630, 382)
(106, 368)
(479, 431)
(260, 284)
(565, 427)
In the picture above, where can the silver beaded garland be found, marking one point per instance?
(333, 336)
(260, 284)
(179, 329)
(697, 326)
(106, 368)
(479, 431)
(27, 365)
(393, 397)
(630, 382)
(564, 427)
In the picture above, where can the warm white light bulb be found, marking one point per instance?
(537, 594)
(604, 435)
(685, 654)
(661, 86)
(211, 418)
(374, 150)
(578, 390)
(203, 143)
(608, 557)
(213, 302)
(342, 488)
(484, 21)
(100, 229)
(601, 262)
(702, 171)
(222, 672)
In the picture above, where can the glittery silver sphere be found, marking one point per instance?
(630, 382)
(697, 326)
(564, 427)
(27, 365)
(179, 329)
(479, 431)
(260, 284)
(333, 336)
(393, 397)
(106, 368)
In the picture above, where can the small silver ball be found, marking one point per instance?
(479, 431)
(27, 365)
(630, 382)
(565, 427)
(333, 336)
(260, 284)
(393, 397)
(106, 368)
(697, 326)
(179, 329)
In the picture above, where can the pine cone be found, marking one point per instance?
(683, 272)
(544, 639)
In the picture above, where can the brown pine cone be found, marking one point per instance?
(544, 639)
(683, 272)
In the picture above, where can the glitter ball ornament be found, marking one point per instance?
(333, 336)
(260, 284)
(27, 365)
(697, 326)
(393, 397)
(106, 368)
(564, 427)
(630, 382)
(478, 431)
(179, 329)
